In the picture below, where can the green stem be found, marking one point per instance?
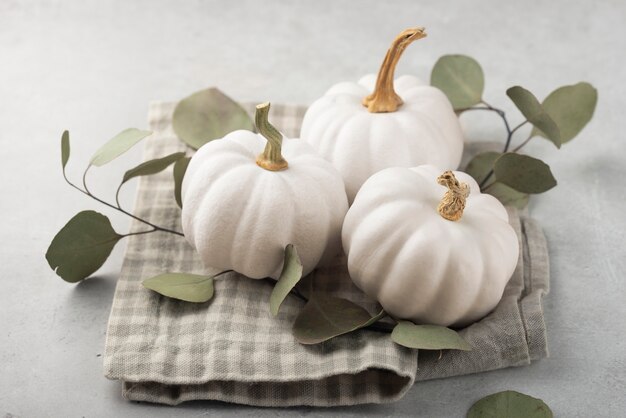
(87, 192)
(522, 144)
(271, 158)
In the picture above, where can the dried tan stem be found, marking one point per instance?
(384, 98)
(271, 158)
(453, 202)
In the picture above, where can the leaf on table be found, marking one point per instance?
(180, 168)
(481, 165)
(183, 286)
(289, 277)
(82, 246)
(118, 145)
(523, 173)
(508, 196)
(325, 317)
(152, 166)
(65, 149)
(571, 108)
(207, 115)
(509, 404)
(461, 78)
(428, 337)
(532, 110)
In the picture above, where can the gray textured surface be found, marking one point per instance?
(93, 66)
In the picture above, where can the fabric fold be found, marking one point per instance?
(231, 348)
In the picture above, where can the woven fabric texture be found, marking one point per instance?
(231, 348)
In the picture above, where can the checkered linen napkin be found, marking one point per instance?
(231, 348)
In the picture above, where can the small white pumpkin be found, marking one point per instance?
(362, 133)
(243, 202)
(426, 254)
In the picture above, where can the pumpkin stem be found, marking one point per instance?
(384, 98)
(453, 202)
(271, 157)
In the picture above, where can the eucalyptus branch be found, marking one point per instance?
(376, 326)
(509, 133)
(522, 144)
(87, 192)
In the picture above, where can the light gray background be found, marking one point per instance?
(93, 66)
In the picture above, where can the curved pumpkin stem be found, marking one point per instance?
(453, 202)
(384, 98)
(271, 158)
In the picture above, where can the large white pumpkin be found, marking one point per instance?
(243, 202)
(406, 250)
(376, 123)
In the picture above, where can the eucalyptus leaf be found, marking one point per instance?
(180, 168)
(118, 145)
(509, 404)
(481, 165)
(428, 337)
(82, 246)
(65, 149)
(289, 277)
(508, 196)
(461, 78)
(532, 110)
(523, 173)
(571, 108)
(207, 115)
(183, 286)
(325, 317)
(152, 166)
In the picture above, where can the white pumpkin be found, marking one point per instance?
(362, 133)
(406, 250)
(240, 211)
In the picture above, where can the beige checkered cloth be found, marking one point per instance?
(231, 348)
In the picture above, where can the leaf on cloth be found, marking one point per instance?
(118, 145)
(180, 168)
(82, 246)
(481, 165)
(152, 166)
(508, 196)
(207, 115)
(428, 337)
(289, 277)
(325, 317)
(183, 286)
(461, 78)
(571, 108)
(532, 110)
(509, 404)
(523, 173)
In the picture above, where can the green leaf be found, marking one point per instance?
(152, 166)
(509, 404)
(82, 246)
(460, 78)
(207, 115)
(325, 317)
(188, 287)
(507, 196)
(180, 168)
(571, 108)
(289, 277)
(428, 337)
(481, 165)
(523, 173)
(118, 145)
(532, 110)
(65, 149)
